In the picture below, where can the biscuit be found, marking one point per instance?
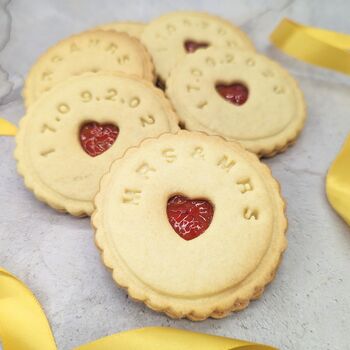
(190, 224)
(169, 37)
(91, 51)
(239, 95)
(134, 29)
(71, 134)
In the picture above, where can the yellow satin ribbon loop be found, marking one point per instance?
(6, 128)
(152, 338)
(338, 182)
(23, 326)
(317, 46)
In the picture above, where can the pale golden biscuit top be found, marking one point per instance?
(134, 29)
(49, 153)
(91, 51)
(270, 119)
(165, 37)
(215, 273)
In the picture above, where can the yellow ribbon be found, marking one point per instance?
(6, 128)
(317, 46)
(23, 326)
(338, 182)
(159, 338)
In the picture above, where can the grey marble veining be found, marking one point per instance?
(306, 307)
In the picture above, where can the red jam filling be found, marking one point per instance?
(97, 138)
(189, 217)
(192, 46)
(236, 93)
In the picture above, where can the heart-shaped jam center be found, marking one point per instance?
(97, 138)
(189, 217)
(192, 46)
(235, 93)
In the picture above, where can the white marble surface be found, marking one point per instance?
(308, 305)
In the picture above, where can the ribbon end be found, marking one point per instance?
(7, 128)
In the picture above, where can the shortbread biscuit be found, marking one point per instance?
(70, 135)
(134, 29)
(91, 51)
(191, 225)
(169, 37)
(239, 95)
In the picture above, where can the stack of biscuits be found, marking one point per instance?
(156, 130)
